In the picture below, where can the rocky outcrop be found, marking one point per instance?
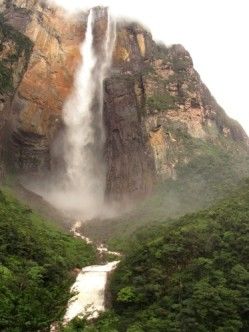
(157, 112)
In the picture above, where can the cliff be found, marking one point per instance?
(158, 114)
(15, 51)
(35, 111)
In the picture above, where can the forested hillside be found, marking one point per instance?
(190, 274)
(210, 176)
(36, 268)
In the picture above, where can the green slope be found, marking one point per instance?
(210, 175)
(36, 268)
(189, 275)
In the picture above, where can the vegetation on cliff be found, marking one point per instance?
(6, 83)
(36, 263)
(14, 45)
(189, 275)
(211, 174)
(161, 102)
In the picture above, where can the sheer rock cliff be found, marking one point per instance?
(157, 112)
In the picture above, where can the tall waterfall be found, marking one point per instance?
(78, 187)
(84, 178)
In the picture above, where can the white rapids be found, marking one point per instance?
(101, 248)
(90, 285)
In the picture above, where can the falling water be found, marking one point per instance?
(82, 185)
(84, 178)
(78, 119)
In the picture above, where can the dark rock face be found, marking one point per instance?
(35, 111)
(157, 112)
(15, 53)
(129, 163)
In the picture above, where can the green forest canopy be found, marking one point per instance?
(36, 263)
(188, 275)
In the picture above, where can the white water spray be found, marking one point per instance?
(82, 188)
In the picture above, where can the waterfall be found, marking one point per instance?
(78, 118)
(81, 187)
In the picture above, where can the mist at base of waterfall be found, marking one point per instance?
(76, 184)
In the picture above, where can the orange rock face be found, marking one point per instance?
(49, 77)
(37, 105)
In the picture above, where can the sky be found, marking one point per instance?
(215, 32)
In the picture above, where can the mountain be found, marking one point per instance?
(37, 97)
(170, 154)
(158, 114)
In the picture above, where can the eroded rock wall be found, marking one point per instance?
(156, 107)
(158, 112)
(15, 52)
(37, 105)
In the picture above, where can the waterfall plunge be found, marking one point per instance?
(83, 185)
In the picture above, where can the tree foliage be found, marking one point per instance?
(36, 262)
(189, 275)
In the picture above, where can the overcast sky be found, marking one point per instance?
(215, 32)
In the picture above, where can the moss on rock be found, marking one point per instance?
(22, 48)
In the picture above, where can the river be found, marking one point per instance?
(90, 285)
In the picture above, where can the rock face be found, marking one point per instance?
(157, 112)
(15, 52)
(37, 104)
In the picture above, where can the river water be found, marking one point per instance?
(90, 285)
